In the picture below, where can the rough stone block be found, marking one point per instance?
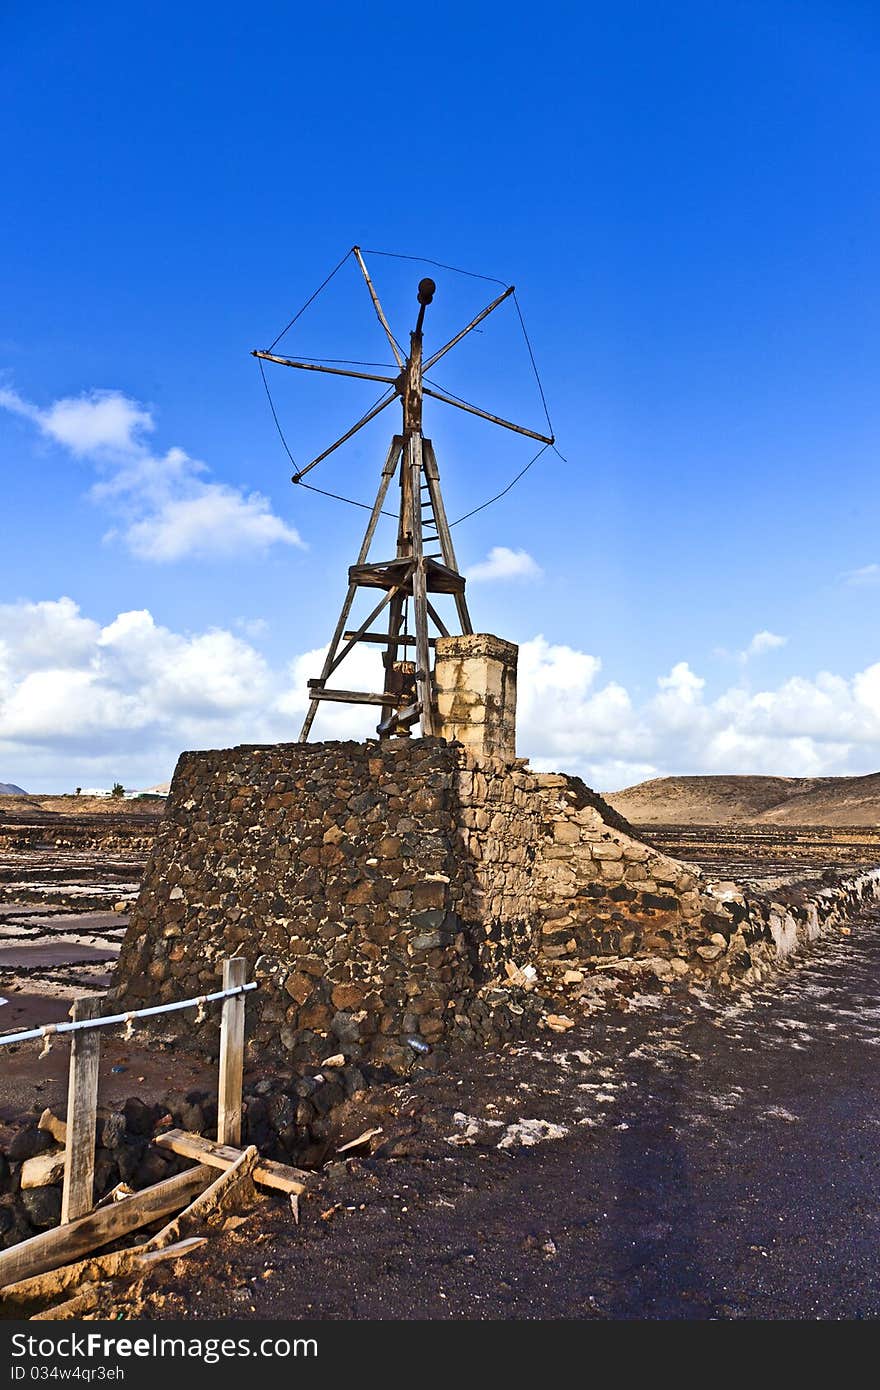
(475, 679)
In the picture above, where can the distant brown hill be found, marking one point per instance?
(751, 800)
(75, 806)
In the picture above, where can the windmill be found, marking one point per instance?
(413, 575)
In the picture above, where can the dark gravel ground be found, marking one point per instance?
(716, 1157)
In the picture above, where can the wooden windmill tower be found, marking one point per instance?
(415, 573)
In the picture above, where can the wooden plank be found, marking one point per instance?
(390, 654)
(267, 1173)
(231, 1054)
(353, 697)
(381, 638)
(171, 1252)
(440, 579)
(215, 1198)
(85, 1302)
(91, 1272)
(78, 1193)
(62, 1244)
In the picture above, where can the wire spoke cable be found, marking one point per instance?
(522, 325)
(312, 297)
(275, 417)
(352, 502)
(440, 265)
(425, 260)
(504, 491)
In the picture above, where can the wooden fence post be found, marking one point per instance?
(82, 1105)
(231, 1054)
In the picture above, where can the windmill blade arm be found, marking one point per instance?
(380, 313)
(484, 415)
(364, 420)
(464, 332)
(315, 367)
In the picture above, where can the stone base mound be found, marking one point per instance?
(391, 896)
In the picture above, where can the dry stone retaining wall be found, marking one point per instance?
(389, 895)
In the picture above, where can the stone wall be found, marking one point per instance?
(382, 889)
(554, 872)
(334, 865)
(600, 890)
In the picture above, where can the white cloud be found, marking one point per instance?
(503, 563)
(84, 703)
(72, 688)
(166, 506)
(763, 642)
(252, 627)
(867, 575)
(219, 521)
(92, 423)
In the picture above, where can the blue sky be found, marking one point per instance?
(686, 197)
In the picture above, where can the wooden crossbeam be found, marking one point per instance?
(364, 420)
(356, 636)
(319, 367)
(441, 352)
(485, 415)
(381, 638)
(350, 697)
(437, 620)
(267, 1172)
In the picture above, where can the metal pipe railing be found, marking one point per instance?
(51, 1030)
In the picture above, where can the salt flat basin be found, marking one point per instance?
(54, 953)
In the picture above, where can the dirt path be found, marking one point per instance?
(713, 1160)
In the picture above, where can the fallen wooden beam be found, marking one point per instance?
(85, 1280)
(267, 1172)
(81, 1279)
(213, 1200)
(91, 1273)
(85, 1302)
(145, 1256)
(63, 1244)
